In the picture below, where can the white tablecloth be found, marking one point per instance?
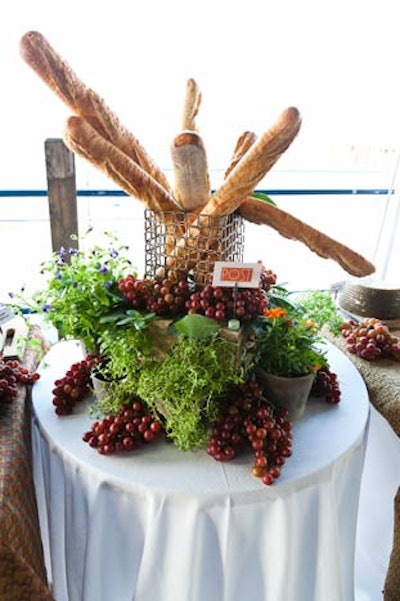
(163, 525)
(379, 484)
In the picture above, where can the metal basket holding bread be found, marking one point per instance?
(94, 132)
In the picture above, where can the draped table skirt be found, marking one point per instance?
(161, 524)
(22, 568)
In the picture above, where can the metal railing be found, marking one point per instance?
(269, 192)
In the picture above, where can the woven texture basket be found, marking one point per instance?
(184, 243)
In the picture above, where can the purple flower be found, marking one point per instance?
(108, 283)
(114, 253)
(103, 269)
(62, 252)
(11, 294)
(46, 308)
(73, 251)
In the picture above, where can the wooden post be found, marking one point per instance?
(60, 169)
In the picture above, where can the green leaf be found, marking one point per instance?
(196, 326)
(263, 197)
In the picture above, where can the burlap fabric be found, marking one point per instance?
(382, 379)
(22, 569)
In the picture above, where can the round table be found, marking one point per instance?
(161, 524)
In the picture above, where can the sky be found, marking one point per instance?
(336, 61)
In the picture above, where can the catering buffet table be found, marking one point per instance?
(163, 524)
(22, 568)
(378, 533)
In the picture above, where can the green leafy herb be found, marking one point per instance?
(81, 289)
(186, 385)
(320, 307)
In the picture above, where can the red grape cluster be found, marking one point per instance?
(326, 385)
(370, 339)
(13, 373)
(224, 303)
(267, 279)
(74, 385)
(162, 297)
(248, 420)
(127, 430)
(169, 297)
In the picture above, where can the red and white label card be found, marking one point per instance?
(243, 275)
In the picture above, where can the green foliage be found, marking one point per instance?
(196, 326)
(279, 296)
(287, 344)
(124, 350)
(181, 386)
(81, 290)
(319, 306)
(119, 393)
(186, 385)
(263, 197)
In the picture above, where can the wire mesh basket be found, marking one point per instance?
(191, 244)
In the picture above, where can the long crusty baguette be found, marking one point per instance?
(241, 181)
(244, 142)
(254, 165)
(85, 102)
(191, 105)
(202, 242)
(190, 167)
(260, 212)
(82, 138)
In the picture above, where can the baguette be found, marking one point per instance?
(82, 138)
(193, 248)
(189, 161)
(260, 212)
(250, 169)
(254, 165)
(191, 105)
(244, 142)
(85, 102)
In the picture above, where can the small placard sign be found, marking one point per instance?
(243, 275)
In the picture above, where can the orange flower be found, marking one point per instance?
(310, 325)
(275, 313)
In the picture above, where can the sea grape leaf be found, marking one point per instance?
(197, 326)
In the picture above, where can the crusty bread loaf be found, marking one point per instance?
(85, 102)
(254, 165)
(191, 105)
(82, 138)
(244, 142)
(258, 211)
(240, 182)
(189, 161)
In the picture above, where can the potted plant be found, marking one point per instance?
(182, 385)
(80, 291)
(288, 355)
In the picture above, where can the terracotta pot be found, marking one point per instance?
(289, 393)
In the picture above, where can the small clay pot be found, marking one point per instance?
(290, 393)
